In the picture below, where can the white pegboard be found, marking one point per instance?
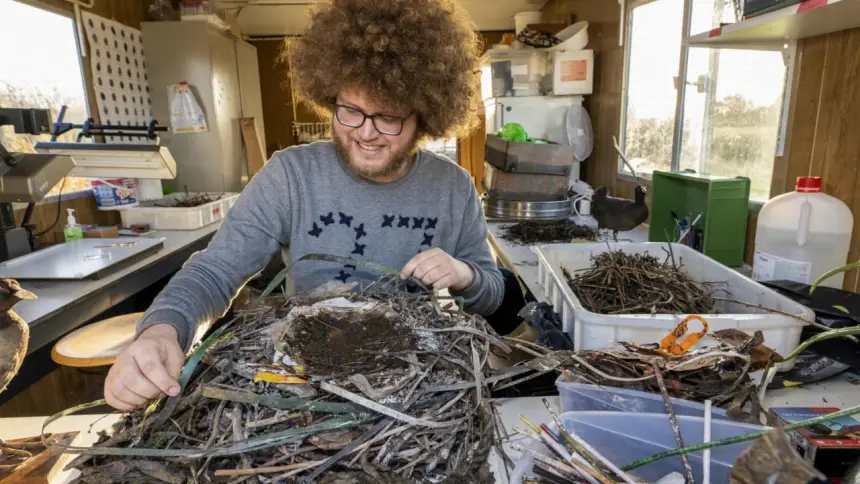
(119, 74)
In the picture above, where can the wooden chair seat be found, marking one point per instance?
(96, 344)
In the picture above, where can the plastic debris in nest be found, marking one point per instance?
(263, 398)
(720, 373)
(548, 325)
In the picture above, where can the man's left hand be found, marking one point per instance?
(436, 268)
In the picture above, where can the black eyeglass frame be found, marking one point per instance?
(372, 118)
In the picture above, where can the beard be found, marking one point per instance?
(398, 159)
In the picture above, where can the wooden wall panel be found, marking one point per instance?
(275, 91)
(86, 212)
(824, 119)
(470, 149)
(277, 97)
(604, 105)
(62, 388)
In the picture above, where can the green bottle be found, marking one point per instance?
(72, 231)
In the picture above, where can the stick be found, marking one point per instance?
(584, 470)
(706, 456)
(368, 434)
(591, 455)
(742, 438)
(565, 471)
(258, 470)
(829, 334)
(674, 420)
(777, 311)
(379, 408)
(624, 157)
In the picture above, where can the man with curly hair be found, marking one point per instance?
(390, 73)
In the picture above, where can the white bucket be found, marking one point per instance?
(524, 18)
(115, 193)
(574, 37)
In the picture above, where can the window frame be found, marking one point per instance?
(788, 49)
(53, 9)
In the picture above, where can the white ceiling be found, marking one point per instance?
(283, 17)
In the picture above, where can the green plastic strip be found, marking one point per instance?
(256, 443)
(188, 371)
(280, 403)
(282, 276)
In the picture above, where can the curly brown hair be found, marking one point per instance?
(418, 54)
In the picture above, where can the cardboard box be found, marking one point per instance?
(529, 158)
(523, 187)
(832, 447)
(93, 232)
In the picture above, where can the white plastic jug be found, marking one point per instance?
(801, 235)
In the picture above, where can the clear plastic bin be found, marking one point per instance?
(598, 331)
(513, 72)
(583, 397)
(624, 438)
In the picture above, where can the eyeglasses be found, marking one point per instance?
(355, 118)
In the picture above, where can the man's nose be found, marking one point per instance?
(368, 131)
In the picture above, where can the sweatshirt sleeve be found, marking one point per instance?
(485, 294)
(254, 230)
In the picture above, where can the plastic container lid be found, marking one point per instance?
(583, 397)
(808, 184)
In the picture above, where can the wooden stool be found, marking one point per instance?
(96, 344)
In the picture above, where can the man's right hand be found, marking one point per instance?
(146, 370)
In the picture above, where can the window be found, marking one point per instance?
(731, 105)
(40, 68)
(654, 53)
(443, 147)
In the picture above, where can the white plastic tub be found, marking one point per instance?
(178, 218)
(597, 331)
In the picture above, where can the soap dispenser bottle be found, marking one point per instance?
(72, 231)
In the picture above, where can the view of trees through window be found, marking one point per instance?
(733, 98)
(40, 69)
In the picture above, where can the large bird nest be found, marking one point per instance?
(358, 387)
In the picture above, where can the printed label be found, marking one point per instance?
(574, 71)
(768, 267)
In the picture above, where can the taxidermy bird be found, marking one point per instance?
(619, 214)
(14, 331)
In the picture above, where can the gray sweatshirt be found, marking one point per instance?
(306, 199)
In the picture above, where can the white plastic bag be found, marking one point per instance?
(186, 116)
(579, 131)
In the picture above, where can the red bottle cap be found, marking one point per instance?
(808, 184)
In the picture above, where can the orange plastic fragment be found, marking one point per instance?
(669, 345)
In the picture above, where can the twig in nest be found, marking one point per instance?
(783, 313)
(674, 420)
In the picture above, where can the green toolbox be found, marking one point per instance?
(708, 213)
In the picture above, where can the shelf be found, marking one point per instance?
(807, 19)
